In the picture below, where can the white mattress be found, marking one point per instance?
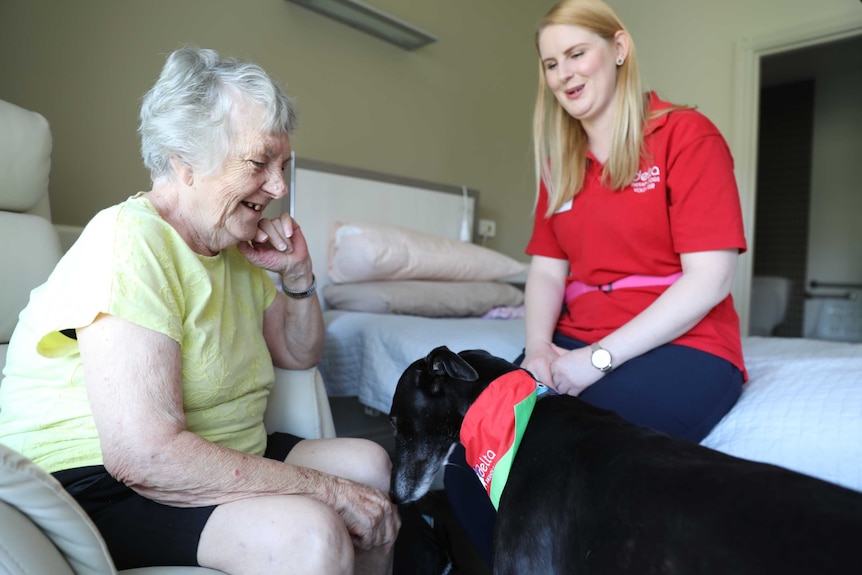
(802, 407)
(366, 353)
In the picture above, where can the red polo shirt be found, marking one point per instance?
(683, 200)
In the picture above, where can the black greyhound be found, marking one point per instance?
(589, 492)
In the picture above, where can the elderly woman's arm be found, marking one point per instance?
(293, 329)
(134, 386)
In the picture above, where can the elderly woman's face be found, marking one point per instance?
(232, 199)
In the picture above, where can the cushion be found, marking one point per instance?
(23, 270)
(41, 498)
(25, 547)
(44, 530)
(423, 298)
(25, 157)
(362, 252)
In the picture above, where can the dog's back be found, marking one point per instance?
(605, 496)
(589, 492)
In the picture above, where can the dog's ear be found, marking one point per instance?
(443, 361)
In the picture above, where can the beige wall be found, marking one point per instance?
(706, 53)
(686, 47)
(457, 111)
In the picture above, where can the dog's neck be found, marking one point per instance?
(493, 426)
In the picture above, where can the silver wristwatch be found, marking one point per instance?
(601, 358)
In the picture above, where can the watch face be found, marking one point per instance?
(601, 359)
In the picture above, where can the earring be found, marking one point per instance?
(620, 61)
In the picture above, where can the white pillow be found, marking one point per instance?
(361, 252)
(423, 298)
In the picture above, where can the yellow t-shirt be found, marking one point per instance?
(131, 264)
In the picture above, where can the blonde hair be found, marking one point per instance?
(558, 138)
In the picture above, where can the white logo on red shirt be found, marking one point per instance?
(646, 180)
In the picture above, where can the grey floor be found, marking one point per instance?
(352, 419)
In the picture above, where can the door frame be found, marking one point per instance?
(745, 119)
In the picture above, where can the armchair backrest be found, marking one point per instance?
(31, 500)
(29, 245)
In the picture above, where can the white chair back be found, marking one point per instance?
(29, 246)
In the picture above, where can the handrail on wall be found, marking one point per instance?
(848, 295)
(840, 285)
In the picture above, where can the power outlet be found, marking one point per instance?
(487, 228)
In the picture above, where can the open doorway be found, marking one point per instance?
(782, 205)
(799, 181)
(834, 214)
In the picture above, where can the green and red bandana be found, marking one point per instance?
(493, 428)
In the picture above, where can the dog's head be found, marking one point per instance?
(430, 401)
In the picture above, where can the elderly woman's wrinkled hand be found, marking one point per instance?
(279, 246)
(371, 518)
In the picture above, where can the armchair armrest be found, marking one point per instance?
(299, 405)
(25, 548)
(27, 491)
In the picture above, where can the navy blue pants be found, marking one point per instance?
(675, 389)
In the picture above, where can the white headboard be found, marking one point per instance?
(323, 194)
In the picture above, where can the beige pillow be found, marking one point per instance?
(361, 252)
(423, 298)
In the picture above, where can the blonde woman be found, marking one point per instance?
(637, 232)
(635, 241)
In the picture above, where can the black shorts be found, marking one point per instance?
(138, 531)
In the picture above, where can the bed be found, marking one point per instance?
(802, 407)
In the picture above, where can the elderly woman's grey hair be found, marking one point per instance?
(186, 114)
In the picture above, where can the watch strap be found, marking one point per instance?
(594, 349)
(301, 294)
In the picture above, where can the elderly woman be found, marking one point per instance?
(139, 373)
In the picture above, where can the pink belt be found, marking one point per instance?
(577, 288)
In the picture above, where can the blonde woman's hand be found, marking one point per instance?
(573, 372)
(538, 358)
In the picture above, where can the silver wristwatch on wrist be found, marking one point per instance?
(601, 358)
(301, 294)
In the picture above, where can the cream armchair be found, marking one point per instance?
(42, 529)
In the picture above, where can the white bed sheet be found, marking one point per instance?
(366, 353)
(801, 409)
